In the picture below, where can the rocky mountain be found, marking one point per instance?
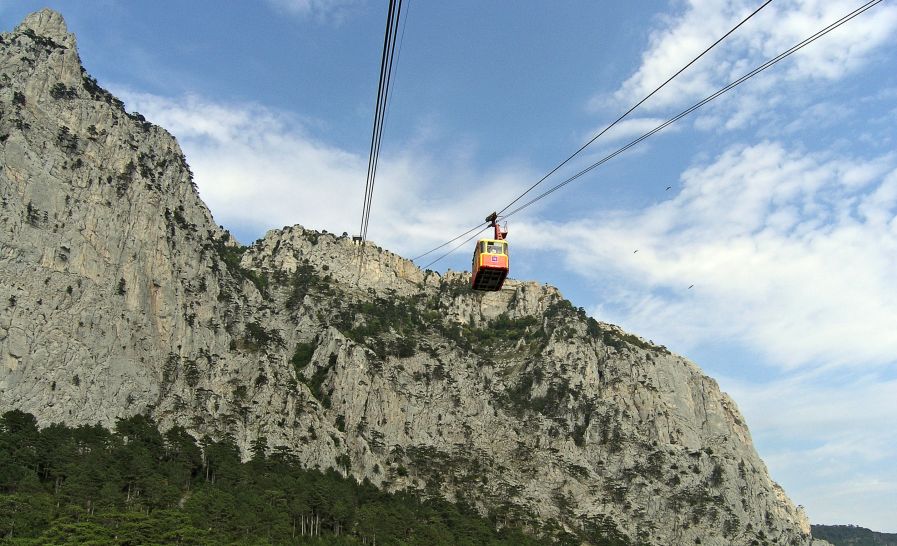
(120, 295)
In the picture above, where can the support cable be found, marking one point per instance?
(386, 68)
(639, 103)
(445, 244)
(769, 63)
(392, 53)
(471, 238)
(612, 124)
(689, 110)
(367, 184)
(395, 75)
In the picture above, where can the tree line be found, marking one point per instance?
(138, 485)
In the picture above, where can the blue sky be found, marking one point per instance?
(781, 210)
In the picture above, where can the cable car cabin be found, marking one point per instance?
(490, 264)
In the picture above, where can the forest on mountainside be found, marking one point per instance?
(852, 535)
(137, 485)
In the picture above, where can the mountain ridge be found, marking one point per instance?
(123, 296)
(853, 535)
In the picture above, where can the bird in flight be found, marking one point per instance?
(634, 251)
(668, 188)
(690, 287)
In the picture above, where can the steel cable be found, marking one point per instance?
(725, 89)
(610, 126)
(704, 101)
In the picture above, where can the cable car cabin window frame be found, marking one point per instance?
(497, 247)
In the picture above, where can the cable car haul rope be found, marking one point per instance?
(490, 259)
(386, 69)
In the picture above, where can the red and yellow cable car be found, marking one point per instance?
(490, 260)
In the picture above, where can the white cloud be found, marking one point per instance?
(853, 406)
(320, 9)
(775, 29)
(260, 168)
(792, 254)
(629, 129)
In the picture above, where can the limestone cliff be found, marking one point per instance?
(119, 295)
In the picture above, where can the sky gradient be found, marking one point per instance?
(781, 202)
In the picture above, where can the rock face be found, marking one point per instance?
(120, 295)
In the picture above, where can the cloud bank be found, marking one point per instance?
(258, 169)
(779, 26)
(782, 24)
(800, 247)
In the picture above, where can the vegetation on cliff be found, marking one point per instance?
(851, 535)
(137, 485)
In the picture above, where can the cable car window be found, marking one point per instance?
(494, 248)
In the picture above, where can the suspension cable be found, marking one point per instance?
(464, 243)
(386, 67)
(709, 98)
(769, 63)
(610, 126)
(445, 244)
(639, 103)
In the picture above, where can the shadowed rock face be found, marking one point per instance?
(120, 295)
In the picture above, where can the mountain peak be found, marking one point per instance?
(49, 24)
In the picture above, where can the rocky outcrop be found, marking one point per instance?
(120, 295)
